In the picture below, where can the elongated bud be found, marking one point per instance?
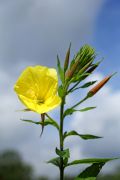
(95, 89)
(91, 69)
(66, 64)
(42, 119)
(70, 72)
(85, 67)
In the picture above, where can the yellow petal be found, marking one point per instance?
(37, 88)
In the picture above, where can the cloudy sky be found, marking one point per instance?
(34, 32)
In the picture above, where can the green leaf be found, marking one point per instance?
(55, 161)
(60, 91)
(86, 109)
(88, 84)
(64, 154)
(83, 136)
(79, 77)
(71, 110)
(91, 172)
(30, 121)
(90, 161)
(46, 122)
(60, 70)
(24, 110)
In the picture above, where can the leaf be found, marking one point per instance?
(87, 109)
(88, 84)
(91, 172)
(90, 161)
(55, 161)
(30, 121)
(64, 154)
(83, 136)
(71, 110)
(60, 91)
(79, 77)
(60, 70)
(24, 110)
(46, 122)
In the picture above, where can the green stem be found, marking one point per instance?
(61, 137)
(73, 87)
(79, 102)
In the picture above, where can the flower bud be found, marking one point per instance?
(70, 72)
(66, 63)
(95, 89)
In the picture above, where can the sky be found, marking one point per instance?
(33, 32)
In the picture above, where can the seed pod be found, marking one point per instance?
(95, 89)
(66, 63)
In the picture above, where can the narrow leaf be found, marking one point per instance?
(55, 161)
(46, 122)
(71, 110)
(91, 172)
(60, 70)
(87, 109)
(83, 136)
(91, 161)
(88, 84)
(30, 121)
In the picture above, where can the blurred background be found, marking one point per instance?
(33, 32)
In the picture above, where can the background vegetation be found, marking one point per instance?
(12, 167)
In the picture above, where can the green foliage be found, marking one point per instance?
(46, 122)
(83, 136)
(91, 161)
(60, 70)
(71, 110)
(60, 91)
(91, 172)
(55, 161)
(88, 84)
(64, 154)
(13, 168)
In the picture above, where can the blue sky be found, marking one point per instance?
(107, 38)
(34, 32)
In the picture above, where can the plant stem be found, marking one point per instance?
(61, 137)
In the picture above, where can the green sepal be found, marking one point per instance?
(90, 161)
(60, 70)
(55, 161)
(83, 136)
(46, 122)
(71, 110)
(91, 172)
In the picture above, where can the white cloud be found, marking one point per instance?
(34, 32)
(102, 121)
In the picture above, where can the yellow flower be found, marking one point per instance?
(37, 89)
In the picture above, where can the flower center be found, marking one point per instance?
(40, 101)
